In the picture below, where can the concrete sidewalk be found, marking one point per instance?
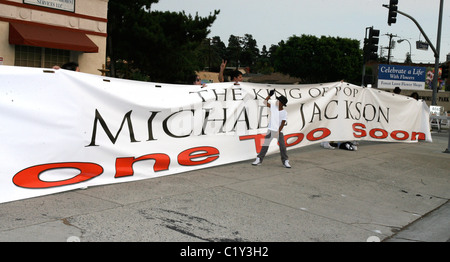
(383, 191)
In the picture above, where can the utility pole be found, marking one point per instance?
(390, 46)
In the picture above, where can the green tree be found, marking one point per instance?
(264, 64)
(242, 51)
(234, 50)
(161, 45)
(119, 14)
(408, 59)
(210, 53)
(316, 60)
(250, 51)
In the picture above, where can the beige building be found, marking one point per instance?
(44, 33)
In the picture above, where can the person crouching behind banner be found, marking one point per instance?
(278, 118)
(352, 146)
(72, 66)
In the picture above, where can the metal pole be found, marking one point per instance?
(438, 48)
(448, 147)
(410, 50)
(363, 73)
(390, 47)
(436, 68)
(364, 59)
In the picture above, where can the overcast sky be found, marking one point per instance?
(271, 21)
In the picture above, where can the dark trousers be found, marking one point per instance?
(269, 136)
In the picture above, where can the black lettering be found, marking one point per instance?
(365, 112)
(235, 92)
(218, 94)
(199, 94)
(261, 108)
(385, 116)
(99, 118)
(258, 95)
(166, 128)
(347, 106)
(246, 120)
(358, 109)
(224, 120)
(149, 124)
(302, 114)
(316, 111)
(298, 96)
(326, 110)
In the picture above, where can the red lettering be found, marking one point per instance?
(379, 133)
(298, 138)
(186, 158)
(373, 133)
(325, 132)
(124, 166)
(414, 135)
(404, 136)
(29, 178)
(362, 132)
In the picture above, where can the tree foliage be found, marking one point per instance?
(211, 53)
(315, 60)
(160, 45)
(170, 47)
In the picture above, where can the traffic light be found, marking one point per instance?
(371, 44)
(444, 73)
(392, 17)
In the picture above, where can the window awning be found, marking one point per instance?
(43, 36)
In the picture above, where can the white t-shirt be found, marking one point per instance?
(276, 117)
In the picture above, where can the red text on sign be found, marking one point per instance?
(30, 177)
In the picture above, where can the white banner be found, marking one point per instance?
(64, 130)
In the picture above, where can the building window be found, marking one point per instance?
(30, 56)
(55, 57)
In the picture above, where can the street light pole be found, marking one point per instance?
(410, 49)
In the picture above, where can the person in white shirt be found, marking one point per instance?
(278, 118)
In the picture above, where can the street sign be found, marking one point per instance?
(422, 45)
